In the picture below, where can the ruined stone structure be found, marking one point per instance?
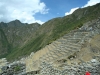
(73, 54)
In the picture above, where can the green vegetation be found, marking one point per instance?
(5, 46)
(13, 37)
(33, 44)
(54, 29)
(17, 68)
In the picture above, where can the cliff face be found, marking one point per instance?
(14, 35)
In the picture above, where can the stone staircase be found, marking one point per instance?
(64, 47)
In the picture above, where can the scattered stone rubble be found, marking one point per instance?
(14, 68)
(92, 66)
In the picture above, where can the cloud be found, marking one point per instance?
(91, 2)
(23, 10)
(71, 11)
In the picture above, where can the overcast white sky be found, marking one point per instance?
(25, 10)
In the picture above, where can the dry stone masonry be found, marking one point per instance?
(73, 54)
(92, 67)
(76, 48)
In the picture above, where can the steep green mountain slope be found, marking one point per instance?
(55, 28)
(14, 35)
(4, 44)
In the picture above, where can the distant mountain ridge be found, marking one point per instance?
(25, 39)
(15, 34)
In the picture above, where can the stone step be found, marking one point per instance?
(63, 50)
(77, 35)
(51, 46)
(44, 58)
(49, 56)
(73, 49)
(72, 44)
(55, 53)
(61, 40)
(68, 45)
(81, 32)
(45, 49)
(50, 53)
(74, 38)
(73, 41)
(69, 34)
(51, 59)
(41, 53)
(67, 54)
(58, 57)
(69, 49)
(63, 47)
(56, 44)
(59, 52)
(66, 37)
(55, 57)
